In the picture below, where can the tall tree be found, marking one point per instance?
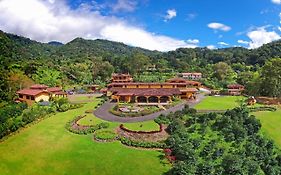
(271, 78)
(47, 76)
(223, 72)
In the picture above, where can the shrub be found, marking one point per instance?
(133, 143)
(63, 107)
(36, 112)
(262, 108)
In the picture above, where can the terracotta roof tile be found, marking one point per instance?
(31, 92)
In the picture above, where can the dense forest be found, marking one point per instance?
(79, 62)
(228, 143)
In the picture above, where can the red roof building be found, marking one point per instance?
(39, 92)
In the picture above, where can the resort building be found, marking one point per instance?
(121, 78)
(39, 92)
(191, 75)
(235, 89)
(153, 92)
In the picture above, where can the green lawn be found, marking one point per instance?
(142, 126)
(90, 119)
(271, 124)
(75, 98)
(219, 102)
(48, 148)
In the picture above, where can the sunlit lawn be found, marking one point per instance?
(48, 148)
(271, 124)
(219, 102)
(142, 126)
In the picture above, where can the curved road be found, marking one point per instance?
(103, 112)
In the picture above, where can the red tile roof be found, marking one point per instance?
(54, 89)
(32, 92)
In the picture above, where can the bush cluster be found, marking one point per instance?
(10, 120)
(133, 143)
(262, 108)
(36, 112)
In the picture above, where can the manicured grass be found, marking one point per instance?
(48, 148)
(142, 126)
(90, 119)
(219, 102)
(74, 98)
(271, 124)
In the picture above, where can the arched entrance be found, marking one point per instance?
(153, 99)
(164, 99)
(141, 99)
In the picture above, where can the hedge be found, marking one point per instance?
(133, 143)
(262, 108)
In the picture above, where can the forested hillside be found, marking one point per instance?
(92, 61)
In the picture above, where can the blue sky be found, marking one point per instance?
(153, 24)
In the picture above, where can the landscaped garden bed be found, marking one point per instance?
(74, 126)
(134, 110)
(145, 139)
(129, 110)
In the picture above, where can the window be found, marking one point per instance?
(28, 97)
(21, 96)
(32, 98)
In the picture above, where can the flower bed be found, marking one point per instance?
(74, 127)
(122, 127)
(146, 111)
(105, 136)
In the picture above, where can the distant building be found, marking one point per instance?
(121, 78)
(191, 75)
(235, 89)
(92, 88)
(39, 92)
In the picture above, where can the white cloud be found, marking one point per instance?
(48, 21)
(276, 1)
(219, 26)
(124, 5)
(260, 36)
(211, 47)
(223, 43)
(242, 42)
(170, 14)
(193, 41)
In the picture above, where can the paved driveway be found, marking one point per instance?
(103, 112)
